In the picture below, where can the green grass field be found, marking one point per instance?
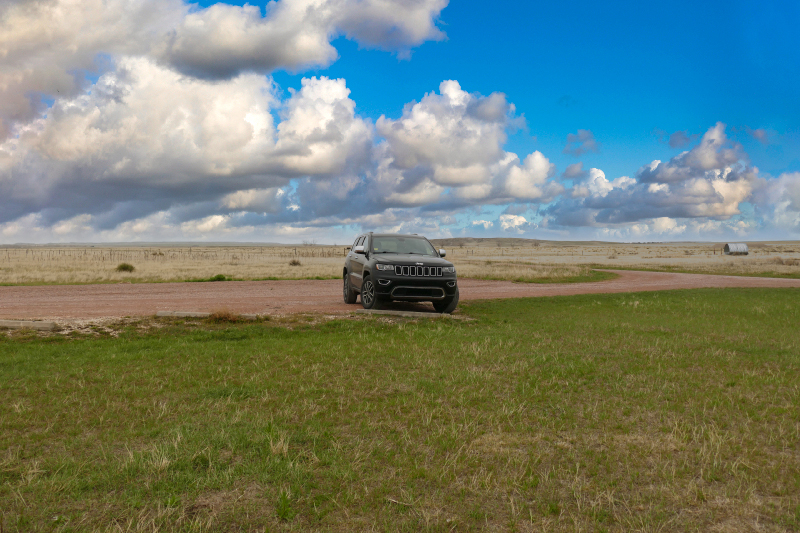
(670, 411)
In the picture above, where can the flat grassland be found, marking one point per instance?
(506, 259)
(669, 411)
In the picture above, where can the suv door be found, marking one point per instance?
(357, 264)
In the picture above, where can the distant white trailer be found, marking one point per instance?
(736, 248)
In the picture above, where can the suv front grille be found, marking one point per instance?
(418, 271)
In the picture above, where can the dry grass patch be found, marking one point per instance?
(61, 265)
(514, 270)
(793, 261)
(769, 258)
(513, 259)
(224, 316)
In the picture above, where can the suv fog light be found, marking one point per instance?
(451, 283)
(384, 282)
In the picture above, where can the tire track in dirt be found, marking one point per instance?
(55, 302)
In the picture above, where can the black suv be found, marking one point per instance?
(386, 266)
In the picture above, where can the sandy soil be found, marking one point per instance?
(307, 296)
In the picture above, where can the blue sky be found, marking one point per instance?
(315, 119)
(621, 72)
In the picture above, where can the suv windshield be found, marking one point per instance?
(402, 245)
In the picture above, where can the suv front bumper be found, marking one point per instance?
(405, 288)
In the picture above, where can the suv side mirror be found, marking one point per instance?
(359, 250)
(442, 252)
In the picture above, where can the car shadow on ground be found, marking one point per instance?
(417, 307)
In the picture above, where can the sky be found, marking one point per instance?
(314, 120)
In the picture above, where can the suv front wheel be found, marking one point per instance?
(448, 305)
(369, 296)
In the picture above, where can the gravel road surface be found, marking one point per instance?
(53, 302)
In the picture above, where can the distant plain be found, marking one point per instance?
(505, 259)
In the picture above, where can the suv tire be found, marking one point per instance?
(349, 294)
(448, 305)
(369, 296)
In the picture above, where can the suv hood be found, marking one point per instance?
(411, 259)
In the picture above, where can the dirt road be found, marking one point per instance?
(55, 302)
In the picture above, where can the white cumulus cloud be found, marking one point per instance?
(224, 40)
(47, 45)
(711, 180)
(448, 148)
(149, 135)
(513, 223)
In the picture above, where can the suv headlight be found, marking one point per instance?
(448, 270)
(381, 266)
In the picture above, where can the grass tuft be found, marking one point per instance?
(295, 263)
(224, 316)
(283, 507)
(786, 261)
(125, 267)
(218, 277)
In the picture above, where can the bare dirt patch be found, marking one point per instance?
(284, 297)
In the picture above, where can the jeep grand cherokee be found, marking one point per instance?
(383, 267)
